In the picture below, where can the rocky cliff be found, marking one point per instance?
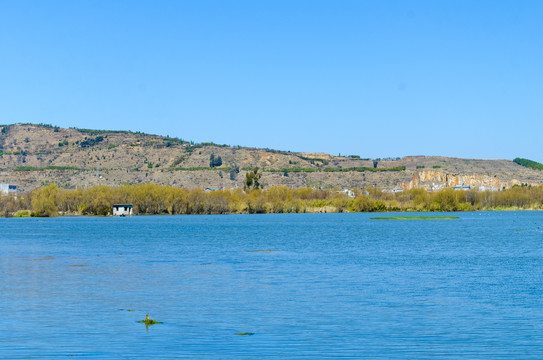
(437, 179)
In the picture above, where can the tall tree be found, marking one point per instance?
(252, 180)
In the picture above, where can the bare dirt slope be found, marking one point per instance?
(34, 155)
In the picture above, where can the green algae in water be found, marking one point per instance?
(245, 334)
(414, 217)
(148, 321)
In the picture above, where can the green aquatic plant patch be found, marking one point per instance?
(148, 321)
(413, 217)
(245, 334)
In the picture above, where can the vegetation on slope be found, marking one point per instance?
(50, 167)
(529, 163)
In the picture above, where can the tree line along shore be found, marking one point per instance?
(152, 199)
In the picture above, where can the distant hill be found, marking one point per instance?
(34, 155)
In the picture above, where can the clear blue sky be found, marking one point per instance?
(373, 78)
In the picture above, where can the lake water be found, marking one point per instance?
(309, 286)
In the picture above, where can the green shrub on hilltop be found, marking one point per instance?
(528, 163)
(100, 132)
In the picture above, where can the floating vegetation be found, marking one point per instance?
(148, 321)
(414, 217)
(245, 334)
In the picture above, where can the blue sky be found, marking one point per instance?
(372, 78)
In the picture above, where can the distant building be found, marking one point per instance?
(437, 187)
(348, 192)
(122, 210)
(461, 187)
(397, 190)
(212, 189)
(488, 188)
(8, 189)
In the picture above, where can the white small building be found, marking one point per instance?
(122, 210)
(8, 189)
(348, 192)
(210, 189)
(397, 190)
(488, 188)
(437, 187)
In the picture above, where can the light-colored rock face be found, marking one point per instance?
(439, 178)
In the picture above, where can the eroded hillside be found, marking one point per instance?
(34, 155)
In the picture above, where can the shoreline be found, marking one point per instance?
(77, 215)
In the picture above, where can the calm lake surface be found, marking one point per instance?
(309, 286)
